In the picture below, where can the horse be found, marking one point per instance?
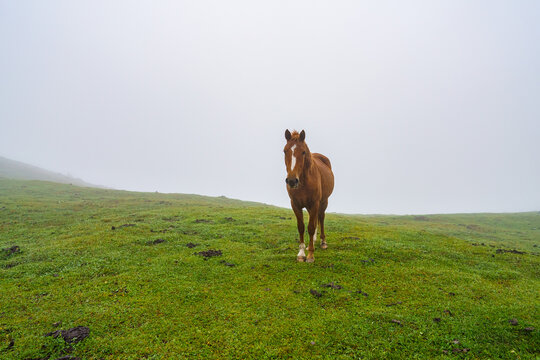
(310, 181)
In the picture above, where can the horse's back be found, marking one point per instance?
(323, 159)
(327, 176)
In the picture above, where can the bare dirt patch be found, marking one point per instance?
(161, 230)
(155, 242)
(513, 251)
(122, 226)
(205, 221)
(12, 250)
(333, 286)
(73, 335)
(209, 253)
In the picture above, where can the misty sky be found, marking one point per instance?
(422, 106)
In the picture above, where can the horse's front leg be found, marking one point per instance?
(300, 222)
(312, 231)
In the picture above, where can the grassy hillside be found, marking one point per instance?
(126, 266)
(11, 169)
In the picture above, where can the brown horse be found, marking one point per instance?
(310, 182)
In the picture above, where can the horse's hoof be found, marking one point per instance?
(324, 246)
(301, 258)
(310, 260)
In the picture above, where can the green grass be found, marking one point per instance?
(162, 301)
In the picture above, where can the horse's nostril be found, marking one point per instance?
(291, 182)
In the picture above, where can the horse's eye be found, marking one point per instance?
(304, 153)
(285, 151)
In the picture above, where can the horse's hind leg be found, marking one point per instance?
(322, 209)
(312, 228)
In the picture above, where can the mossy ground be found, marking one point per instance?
(411, 286)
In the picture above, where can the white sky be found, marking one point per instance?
(422, 106)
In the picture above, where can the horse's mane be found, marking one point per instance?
(295, 135)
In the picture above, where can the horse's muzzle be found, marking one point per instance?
(292, 182)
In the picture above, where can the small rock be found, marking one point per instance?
(396, 322)
(315, 293)
(513, 322)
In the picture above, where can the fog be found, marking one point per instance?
(422, 106)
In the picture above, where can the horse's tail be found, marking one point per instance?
(324, 159)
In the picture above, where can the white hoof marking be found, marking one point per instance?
(301, 253)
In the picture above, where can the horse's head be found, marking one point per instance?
(297, 157)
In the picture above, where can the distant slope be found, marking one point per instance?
(12, 169)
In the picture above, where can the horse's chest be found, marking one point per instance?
(304, 199)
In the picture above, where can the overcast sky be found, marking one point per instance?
(422, 106)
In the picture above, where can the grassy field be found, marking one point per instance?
(126, 265)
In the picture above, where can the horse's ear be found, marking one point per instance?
(288, 135)
(302, 135)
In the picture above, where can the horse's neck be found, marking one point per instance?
(308, 171)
